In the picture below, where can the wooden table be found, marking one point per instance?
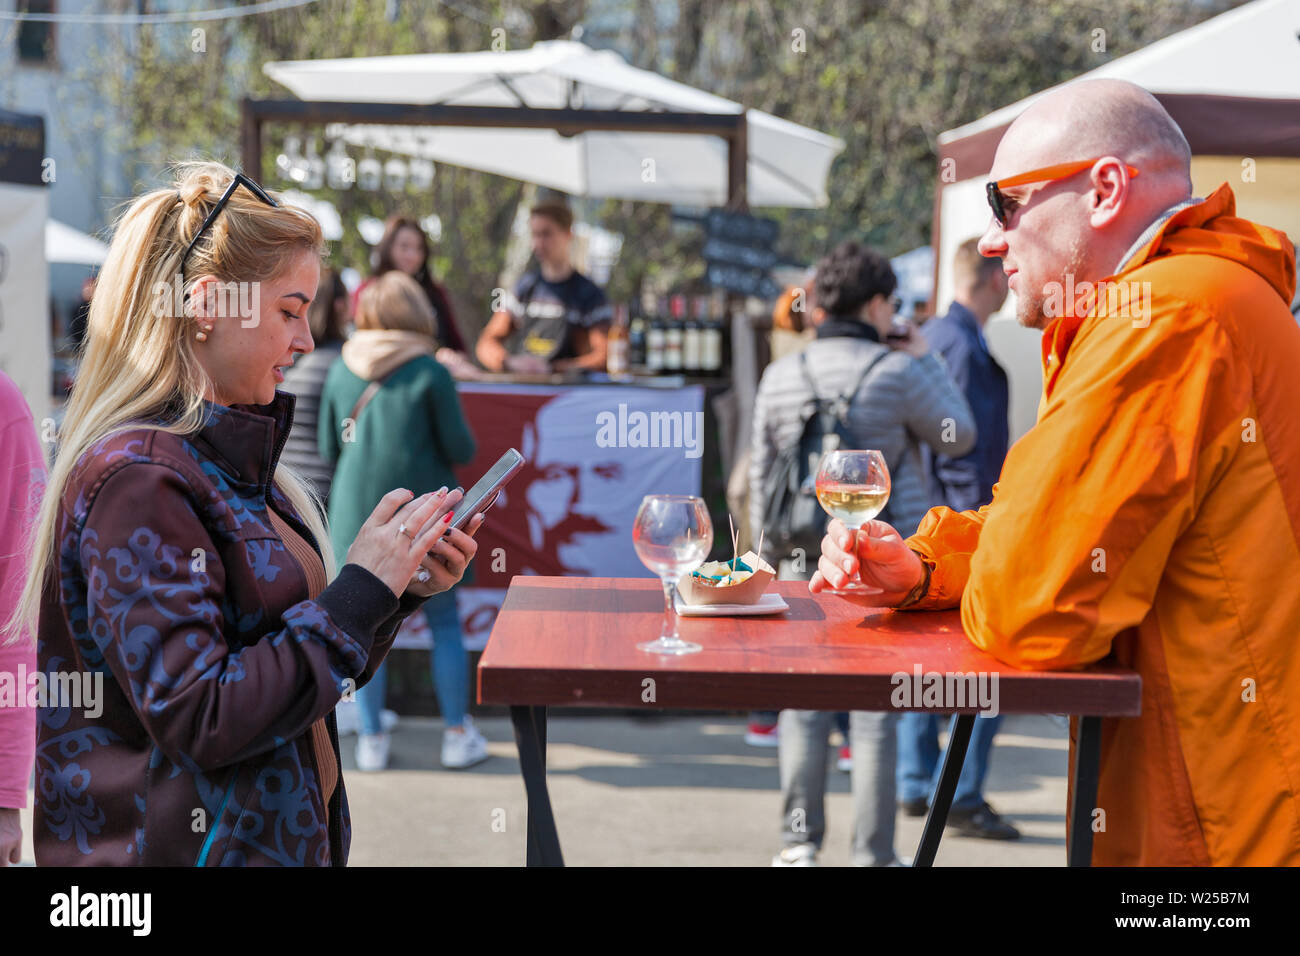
(565, 641)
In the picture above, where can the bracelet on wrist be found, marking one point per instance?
(918, 593)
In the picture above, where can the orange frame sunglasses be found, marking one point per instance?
(1047, 174)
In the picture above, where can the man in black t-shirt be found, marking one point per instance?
(555, 319)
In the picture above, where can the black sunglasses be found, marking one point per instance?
(240, 179)
(1048, 174)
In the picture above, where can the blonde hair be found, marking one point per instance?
(139, 360)
(395, 302)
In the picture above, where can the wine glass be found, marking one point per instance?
(672, 535)
(853, 485)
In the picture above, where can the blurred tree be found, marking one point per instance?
(175, 93)
(887, 76)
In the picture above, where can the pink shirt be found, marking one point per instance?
(22, 482)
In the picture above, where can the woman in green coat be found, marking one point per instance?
(408, 434)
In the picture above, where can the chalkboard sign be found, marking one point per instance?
(22, 148)
(739, 254)
(753, 282)
(738, 250)
(741, 227)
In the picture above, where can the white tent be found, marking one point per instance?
(68, 245)
(787, 163)
(24, 275)
(1232, 83)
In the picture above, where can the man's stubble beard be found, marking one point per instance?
(1029, 309)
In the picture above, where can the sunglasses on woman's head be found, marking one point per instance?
(997, 200)
(239, 180)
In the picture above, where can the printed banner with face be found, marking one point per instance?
(593, 452)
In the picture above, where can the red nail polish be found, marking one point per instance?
(447, 516)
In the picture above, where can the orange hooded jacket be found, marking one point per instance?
(1153, 513)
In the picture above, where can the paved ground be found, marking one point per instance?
(660, 791)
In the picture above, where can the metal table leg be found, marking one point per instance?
(953, 757)
(530, 739)
(1083, 793)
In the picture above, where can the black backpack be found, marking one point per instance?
(792, 516)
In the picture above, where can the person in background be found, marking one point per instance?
(77, 324)
(556, 319)
(906, 400)
(327, 316)
(963, 483)
(406, 248)
(410, 431)
(22, 483)
(794, 319)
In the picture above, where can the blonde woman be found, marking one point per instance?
(184, 578)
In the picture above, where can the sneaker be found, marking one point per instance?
(761, 735)
(914, 808)
(801, 854)
(372, 752)
(982, 822)
(845, 761)
(464, 748)
(471, 728)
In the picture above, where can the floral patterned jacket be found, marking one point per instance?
(184, 620)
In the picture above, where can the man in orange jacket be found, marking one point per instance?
(1153, 512)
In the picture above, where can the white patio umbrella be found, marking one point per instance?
(787, 164)
(65, 244)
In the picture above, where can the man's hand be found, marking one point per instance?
(915, 345)
(11, 837)
(875, 555)
(527, 365)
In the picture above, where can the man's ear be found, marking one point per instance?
(1110, 191)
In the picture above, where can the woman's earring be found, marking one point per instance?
(202, 333)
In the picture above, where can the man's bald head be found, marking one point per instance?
(1100, 118)
(1079, 227)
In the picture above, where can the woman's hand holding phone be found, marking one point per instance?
(445, 563)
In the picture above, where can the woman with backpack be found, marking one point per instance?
(390, 415)
(895, 396)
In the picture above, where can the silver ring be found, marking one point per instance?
(423, 576)
(401, 529)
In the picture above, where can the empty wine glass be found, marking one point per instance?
(672, 535)
(853, 485)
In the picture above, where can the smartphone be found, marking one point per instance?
(479, 498)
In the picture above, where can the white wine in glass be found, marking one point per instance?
(672, 534)
(853, 485)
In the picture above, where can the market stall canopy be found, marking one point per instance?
(787, 165)
(65, 244)
(1232, 83)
